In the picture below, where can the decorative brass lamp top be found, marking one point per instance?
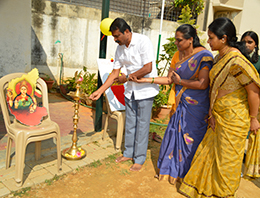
(77, 95)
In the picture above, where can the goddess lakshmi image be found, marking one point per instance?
(22, 102)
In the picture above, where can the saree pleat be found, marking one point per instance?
(252, 162)
(216, 167)
(216, 160)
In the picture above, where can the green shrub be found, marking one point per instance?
(88, 84)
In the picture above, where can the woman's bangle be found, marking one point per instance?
(180, 81)
(209, 117)
(152, 80)
(252, 116)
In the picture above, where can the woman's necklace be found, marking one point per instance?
(183, 55)
(225, 52)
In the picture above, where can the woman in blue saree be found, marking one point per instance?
(189, 97)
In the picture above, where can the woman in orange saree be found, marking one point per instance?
(234, 100)
(188, 122)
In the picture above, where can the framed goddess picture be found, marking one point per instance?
(115, 94)
(21, 100)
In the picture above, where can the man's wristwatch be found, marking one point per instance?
(127, 78)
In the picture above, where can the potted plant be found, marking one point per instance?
(161, 100)
(88, 84)
(48, 80)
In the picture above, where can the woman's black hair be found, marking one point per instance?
(119, 24)
(189, 31)
(254, 36)
(224, 26)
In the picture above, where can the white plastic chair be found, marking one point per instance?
(119, 116)
(22, 134)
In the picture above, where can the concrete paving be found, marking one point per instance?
(37, 172)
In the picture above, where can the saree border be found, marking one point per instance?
(206, 58)
(212, 88)
(202, 194)
(225, 68)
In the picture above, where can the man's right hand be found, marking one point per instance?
(95, 95)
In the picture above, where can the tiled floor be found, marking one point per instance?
(35, 172)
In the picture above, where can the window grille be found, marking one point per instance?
(144, 8)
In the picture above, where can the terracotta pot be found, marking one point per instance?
(63, 89)
(161, 112)
(49, 84)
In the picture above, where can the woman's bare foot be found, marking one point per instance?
(136, 167)
(180, 180)
(122, 159)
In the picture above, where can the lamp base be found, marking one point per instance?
(73, 153)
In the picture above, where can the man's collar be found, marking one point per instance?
(133, 39)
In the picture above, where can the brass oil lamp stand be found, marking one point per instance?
(74, 152)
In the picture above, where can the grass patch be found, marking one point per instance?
(128, 162)
(96, 143)
(23, 191)
(50, 181)
(111, 158)
(158, 128)
(95, 164)
(124, 172)
(110, 161)
(79, 168)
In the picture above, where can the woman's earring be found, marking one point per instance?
(223, 40)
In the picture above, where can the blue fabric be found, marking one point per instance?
(188, 124)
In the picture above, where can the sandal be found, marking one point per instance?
(156, 137)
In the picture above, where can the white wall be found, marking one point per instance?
(245, 14)
(250, 17)
(15, 36)
(77, 28)
(29, 32)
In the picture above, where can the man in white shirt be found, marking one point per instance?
(135, 52)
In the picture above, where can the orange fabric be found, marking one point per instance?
(171, 99)
(207, 68)
(175, 59)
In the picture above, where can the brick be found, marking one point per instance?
(42, 178)
(4, 191)
(73, 164)
(102, 154)
(38, 173)
(6, 174)
(53, 169)
(11, 184)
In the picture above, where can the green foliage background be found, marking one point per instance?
(170, 48)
